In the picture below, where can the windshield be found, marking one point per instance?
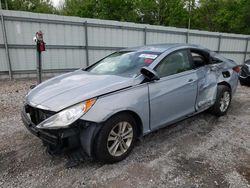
(127, 64)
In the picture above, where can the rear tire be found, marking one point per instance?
(223, 101)
(116, 139)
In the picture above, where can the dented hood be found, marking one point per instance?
(68, 89)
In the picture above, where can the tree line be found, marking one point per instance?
(232, 16)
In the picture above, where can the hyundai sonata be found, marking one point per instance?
(103, 109)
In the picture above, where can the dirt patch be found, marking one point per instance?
(244, 168)
(198, 168)
(245, 172)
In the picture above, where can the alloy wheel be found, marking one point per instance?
(224, 101)
(120, 138)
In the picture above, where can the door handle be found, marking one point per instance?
(191, 80)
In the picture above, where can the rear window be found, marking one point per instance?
(217, 58)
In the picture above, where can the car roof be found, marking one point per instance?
(160, 48)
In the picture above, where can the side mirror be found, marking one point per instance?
(149, 74)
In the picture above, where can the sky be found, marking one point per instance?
(56, 2)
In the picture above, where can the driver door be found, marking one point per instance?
(173, 96)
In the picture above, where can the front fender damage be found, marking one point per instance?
(87, 138)
(76, 143)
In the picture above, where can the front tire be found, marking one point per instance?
(116, 139)
(223, 101)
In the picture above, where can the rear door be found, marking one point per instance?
(173, 96)
(207, 74)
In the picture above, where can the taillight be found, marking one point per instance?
(237, 68)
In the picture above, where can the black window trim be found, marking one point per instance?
(203, 53)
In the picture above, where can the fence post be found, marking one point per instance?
(245, 56)
(219, 43)
(187, 36)
(6, 46)
(86, 42)
(145, 36)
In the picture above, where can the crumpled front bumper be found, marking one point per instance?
(62, 138)
(45, 136)
(80, 135)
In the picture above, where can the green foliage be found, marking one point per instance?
(103, 9)
(244, 18)
(231, 16)
(82, 8)
(41, 6)
(117, 10)
(163, 12)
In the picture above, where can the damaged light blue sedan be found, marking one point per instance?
(100, 111)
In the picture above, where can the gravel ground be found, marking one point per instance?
(202, 151)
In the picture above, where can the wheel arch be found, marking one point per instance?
(137, 119)
(225, 84)
(100, 150)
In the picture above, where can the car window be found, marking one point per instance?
(124, 63)
(173, 64)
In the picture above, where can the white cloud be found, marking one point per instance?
(56, 3)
